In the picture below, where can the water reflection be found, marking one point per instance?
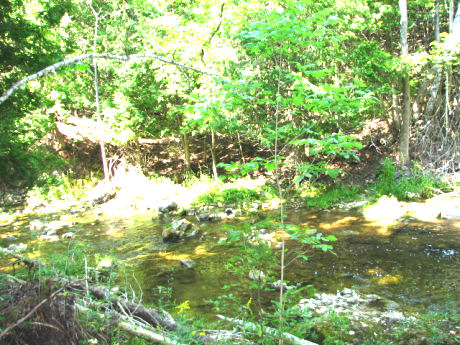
(412, 262)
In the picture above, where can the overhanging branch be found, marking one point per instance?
(125, 58)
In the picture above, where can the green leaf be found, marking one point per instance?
(331, 238)
(333, 173)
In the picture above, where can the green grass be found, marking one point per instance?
(419, 184)
(320, 196)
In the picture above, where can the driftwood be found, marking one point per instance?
(54, 67)
(272, 331)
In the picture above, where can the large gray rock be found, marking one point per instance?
(177, 230)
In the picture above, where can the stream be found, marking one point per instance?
(411, 262)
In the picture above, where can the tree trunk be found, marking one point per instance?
(241, 148)
(105, 166)
(213, 154)
(430, 104)
(451, 16)
(417, 107)
(396, 112)
(406, 111)
(205, 150)
(186, 145)
(454, 28)
(437, 35)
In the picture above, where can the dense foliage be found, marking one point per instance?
(314, 72)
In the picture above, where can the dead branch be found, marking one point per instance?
(131, 328)
(34, 309)
(253, 327)
(53, 68)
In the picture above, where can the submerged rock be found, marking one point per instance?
(188, 263)
(212, 217)
(215, 217)
(203, 217)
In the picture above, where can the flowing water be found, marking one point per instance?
(411, 262)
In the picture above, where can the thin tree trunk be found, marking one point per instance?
(96, 89)
(417, 107)
(205, 150)
(241, 148)
(406, 111)
(396, 112)
(454, 29)
(213, 154)
(186, 145)
(433, 93)
(437, 35)
(437, 70)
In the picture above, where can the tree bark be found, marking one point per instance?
(406, 111)
(396, 112)
(186, 145)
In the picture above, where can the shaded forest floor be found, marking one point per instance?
(165, 157)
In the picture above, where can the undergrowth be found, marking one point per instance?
(321, 196)
(413, 185)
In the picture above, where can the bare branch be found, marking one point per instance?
(34, 309)
(53, 68)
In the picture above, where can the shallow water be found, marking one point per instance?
(413, 263)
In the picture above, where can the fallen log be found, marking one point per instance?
(272, 331)
(154, 317)
(148, 334)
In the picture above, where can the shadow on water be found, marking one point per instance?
(416, 264)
